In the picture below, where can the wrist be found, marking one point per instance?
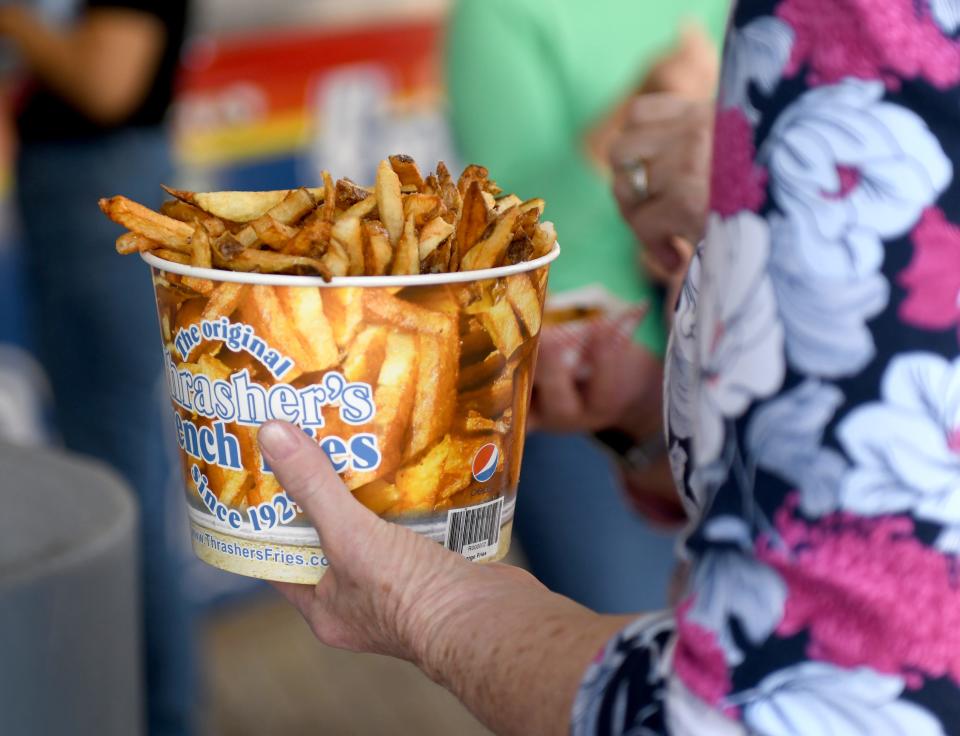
(467, 620)
(440, 618)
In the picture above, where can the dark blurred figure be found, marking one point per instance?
(90, 121)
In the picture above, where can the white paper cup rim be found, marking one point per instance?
(273, 279)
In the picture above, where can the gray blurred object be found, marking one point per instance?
(25, 399)
(70, 661)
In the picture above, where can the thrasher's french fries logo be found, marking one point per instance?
(405, 389)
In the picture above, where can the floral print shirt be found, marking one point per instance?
(813, 395)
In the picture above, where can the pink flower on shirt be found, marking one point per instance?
(932, 279)
(868, 593)
(699, 662)
(736, 182)
(870, 40)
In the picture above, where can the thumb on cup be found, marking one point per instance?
(305, 473)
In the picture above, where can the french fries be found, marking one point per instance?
(348, 232)
(406, 258)
(447, 366)
(389, 201)
(377, 253)
(490, 251)
(406, 224)
(433, 235)
(163, 230)
(406, 170)
(135, 243)
(201, 257)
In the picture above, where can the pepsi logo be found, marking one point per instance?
(485, 462)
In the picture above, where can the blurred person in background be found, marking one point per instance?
(537, 92)
(90, 120)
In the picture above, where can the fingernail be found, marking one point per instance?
(278, 440)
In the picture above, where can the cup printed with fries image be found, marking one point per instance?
(397, 325)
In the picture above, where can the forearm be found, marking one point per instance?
(80, 64)
(515, 663)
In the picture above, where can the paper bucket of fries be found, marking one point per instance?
(416, 385)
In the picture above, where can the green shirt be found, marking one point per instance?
(527, 79)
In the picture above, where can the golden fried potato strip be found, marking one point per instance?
(433, 234)
(489, 251)
(389, 201)
(377, 254)
(544, 240)
(202, 257)
(135, 243)
(350, 193)
(406, 170)
(172, 255)
(267, 261)
(406, 260)
(188, 213)
(170, 233)
(236, 206)
(348, 232)
(474, 216)
(273, 232)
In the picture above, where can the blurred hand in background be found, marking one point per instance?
(666, 137)
(594, 386)
(689, 71)
(82, 63)
(670, 138)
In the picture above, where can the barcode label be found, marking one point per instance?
(475, 532)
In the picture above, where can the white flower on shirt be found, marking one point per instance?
(680, 366)
(821, 699)
(730, 583)
(946, 13)
(852, 171)
(906, 448)
(754, 55)
(687, 715)
(824, 315)
(785, 437)
(739, 337)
